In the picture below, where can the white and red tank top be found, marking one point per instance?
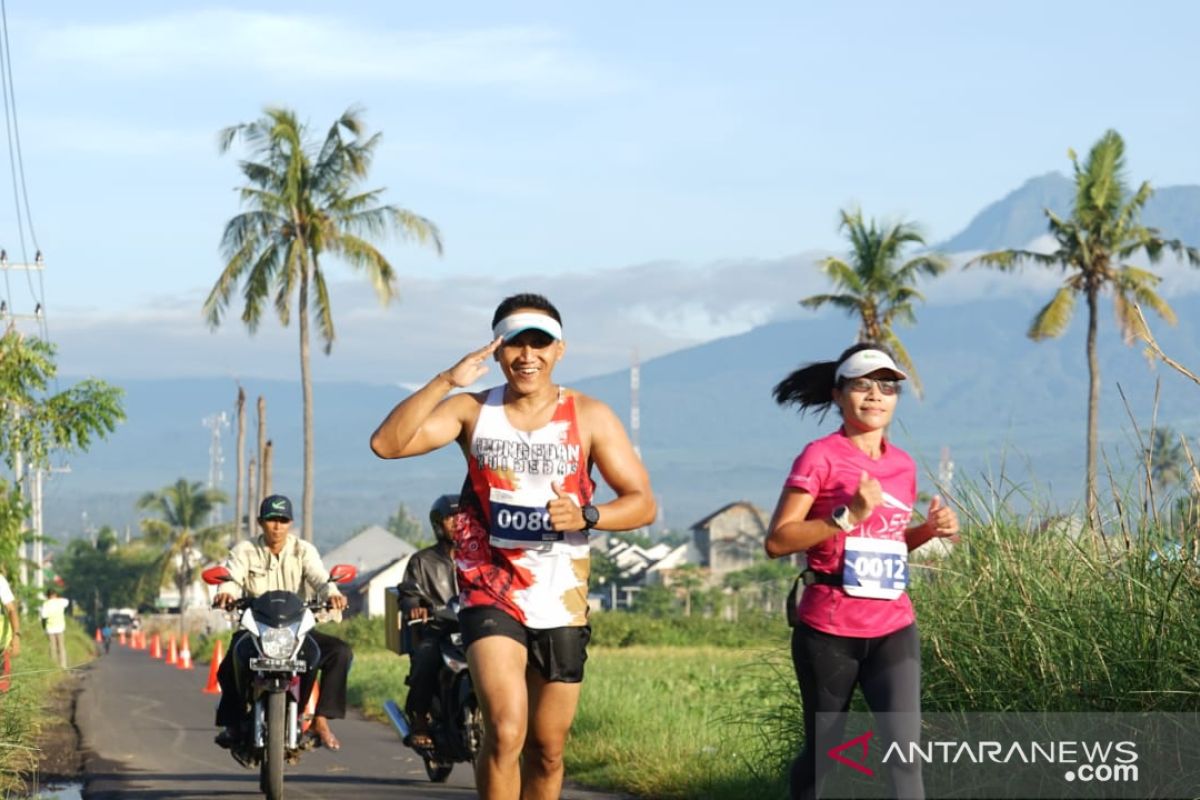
(507, 555)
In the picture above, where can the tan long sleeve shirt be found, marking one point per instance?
(297, 568)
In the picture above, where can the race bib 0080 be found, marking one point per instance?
(514, 522)
(875, 568)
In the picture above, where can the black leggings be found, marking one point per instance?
(828, 668)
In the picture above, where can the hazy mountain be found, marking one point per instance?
(1019, 217)
(710, 432)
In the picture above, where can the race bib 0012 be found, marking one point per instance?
(875, 568)
(514, 522)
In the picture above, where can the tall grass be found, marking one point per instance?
(1022, 618)
(24, 708)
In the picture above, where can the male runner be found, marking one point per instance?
(522, 552)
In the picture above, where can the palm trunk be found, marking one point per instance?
(259, 487)
(240, 502)
(268, 469)
(252, 511)
(1093, 505)
(306, 512)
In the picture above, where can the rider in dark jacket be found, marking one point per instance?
(432, 570)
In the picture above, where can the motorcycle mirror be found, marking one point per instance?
(215, 576)
(343, 573)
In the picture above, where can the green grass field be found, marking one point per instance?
(1015, 618)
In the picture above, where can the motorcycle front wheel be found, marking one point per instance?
(438, 773)
(271, 774)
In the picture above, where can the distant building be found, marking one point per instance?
(367, 594)
(369, 550)
(730, 538)
(727, 540)
(380, 558)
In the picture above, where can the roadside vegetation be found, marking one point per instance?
(27, 707)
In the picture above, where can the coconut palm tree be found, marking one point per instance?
(1095, 244)
(180, 530)
(874, 285)
(303, 203)
(1165, 457)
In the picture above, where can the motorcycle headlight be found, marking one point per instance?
(278, 642)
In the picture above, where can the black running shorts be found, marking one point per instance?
(556, 653)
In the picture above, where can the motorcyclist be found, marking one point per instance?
(432, 571)
(277, 560)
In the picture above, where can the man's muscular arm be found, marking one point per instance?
(428, 419)
(610, 450)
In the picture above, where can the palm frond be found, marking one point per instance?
(1054, 317)
(846, 302)
(1008, 260)
(893, 343)
(842, 274)
(363, 257)
(322, 310)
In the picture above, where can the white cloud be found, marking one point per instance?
(654, 308)
(328, 49)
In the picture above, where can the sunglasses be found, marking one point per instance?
(887, 386)
(538, 340)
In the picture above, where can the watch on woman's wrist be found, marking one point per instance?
(841, 518)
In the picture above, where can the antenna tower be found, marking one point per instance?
(216, 423)
(635, 409)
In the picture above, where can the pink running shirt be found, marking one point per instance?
(829, 470)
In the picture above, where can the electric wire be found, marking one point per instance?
(19, 184)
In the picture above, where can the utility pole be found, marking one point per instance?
(36, 501)
(240, 502)
(635, 410)
(216, 423)
(259, 453)
(945, 470)
(8, 321)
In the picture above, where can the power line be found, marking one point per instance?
(20, 187)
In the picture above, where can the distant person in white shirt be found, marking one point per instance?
(10, 631)
(54, 620)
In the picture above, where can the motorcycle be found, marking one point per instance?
(268, 664)
(456, 728)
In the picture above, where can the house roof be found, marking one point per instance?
(704, 523)
(370, 550)
(364, 579)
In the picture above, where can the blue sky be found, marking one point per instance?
(570, 138)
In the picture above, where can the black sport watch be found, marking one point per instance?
(591, 516)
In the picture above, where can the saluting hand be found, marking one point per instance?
(565, 513)
(942, 520)
(867, 497)
(472, 366)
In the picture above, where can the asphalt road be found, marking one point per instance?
(147, 732)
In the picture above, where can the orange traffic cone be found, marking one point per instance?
(156, 647)
(213, 665)
(120, 637)
(172, 657)
(140, 643)
(310, 709)
(185, 655)
(99, 638)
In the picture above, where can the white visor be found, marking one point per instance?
(864, 362)
(513, 324)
